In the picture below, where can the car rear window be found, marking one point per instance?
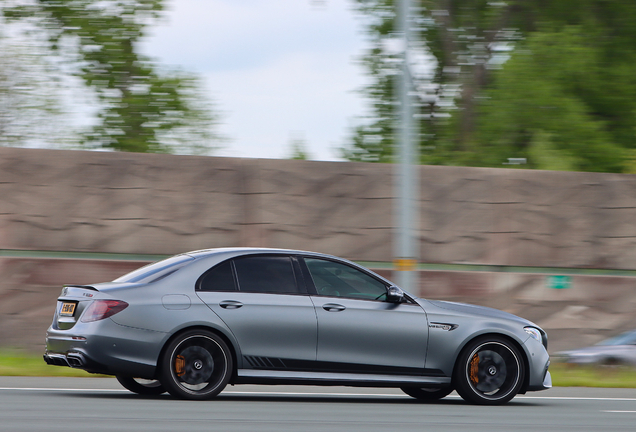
(156, 270)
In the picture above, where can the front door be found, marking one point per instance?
(358, 330)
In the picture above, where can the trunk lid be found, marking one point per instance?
(73, 300)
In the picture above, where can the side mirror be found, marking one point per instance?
(394, 294)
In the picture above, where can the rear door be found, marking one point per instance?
(270, 314)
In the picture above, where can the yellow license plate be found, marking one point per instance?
(68, 309)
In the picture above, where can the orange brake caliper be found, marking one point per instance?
(474, 369)
(179, 365)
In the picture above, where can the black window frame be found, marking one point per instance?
(310, 280)
(299, 279)
(199, 282)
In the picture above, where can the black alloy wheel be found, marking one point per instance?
(427, 394)
(196, 365)
(141, 386)
(490, 371)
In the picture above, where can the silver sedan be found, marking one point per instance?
(195, 322)
(618, 350)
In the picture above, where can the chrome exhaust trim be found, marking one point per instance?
(56, 359)
(74, 359)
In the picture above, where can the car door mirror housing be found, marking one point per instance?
(394, 294)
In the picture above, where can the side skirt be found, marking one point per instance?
(272, 377)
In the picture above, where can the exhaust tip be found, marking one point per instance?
(74, 360)
(55, 359)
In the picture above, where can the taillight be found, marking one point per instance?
(100, 309)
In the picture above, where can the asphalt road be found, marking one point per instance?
(100, 404)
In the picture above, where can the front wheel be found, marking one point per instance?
(141, 386)
(490, 371)
(427, 394)
(196, 365)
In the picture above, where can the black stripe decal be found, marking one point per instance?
(273, 363)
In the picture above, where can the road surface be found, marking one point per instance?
(101, 404)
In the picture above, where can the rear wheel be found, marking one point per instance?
(489, 371)
(141, 386)
(196, 365)
(427, 394)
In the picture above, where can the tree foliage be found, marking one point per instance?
(142, 108)
(31, 96)
(298, 147)
(460, 41)
(551, 81)
(542, 107)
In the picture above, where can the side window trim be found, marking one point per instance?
(237, 287)
(199, 282)
(310, 280)
(301, 288)
(304, 275)
(301, 279)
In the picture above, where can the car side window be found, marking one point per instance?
(219, 278)
(266, 274)
(339, 280)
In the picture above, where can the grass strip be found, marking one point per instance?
(568, 375)
(17, 363)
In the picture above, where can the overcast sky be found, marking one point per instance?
(277, 69)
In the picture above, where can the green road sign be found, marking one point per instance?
(559, 282)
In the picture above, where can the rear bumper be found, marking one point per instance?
(76, 360)
(105, 347)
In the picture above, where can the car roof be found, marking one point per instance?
(232, 252)
(237, 251)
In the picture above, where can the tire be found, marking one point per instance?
(489, 371)
(611, 362)
(197, 365)
(427, 394)
(141, 386)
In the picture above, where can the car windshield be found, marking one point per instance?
(156, 270)
(628, 338)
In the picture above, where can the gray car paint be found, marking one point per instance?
(264, 325)
(383, 334)
(473, 321)
(130, 342)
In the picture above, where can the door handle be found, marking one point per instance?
(333, 307)
(230, 304)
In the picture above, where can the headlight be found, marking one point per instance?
(534, 333)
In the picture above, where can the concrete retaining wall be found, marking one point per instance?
(74, 201)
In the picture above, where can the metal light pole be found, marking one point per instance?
(406, 244)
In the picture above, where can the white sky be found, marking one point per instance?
(277, 69)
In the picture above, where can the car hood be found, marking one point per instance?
(468, 309)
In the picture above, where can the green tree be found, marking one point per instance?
(143, 109)
(32, 111)
(551, 81)
(298, 146)
(462, 42)
(541, 107)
